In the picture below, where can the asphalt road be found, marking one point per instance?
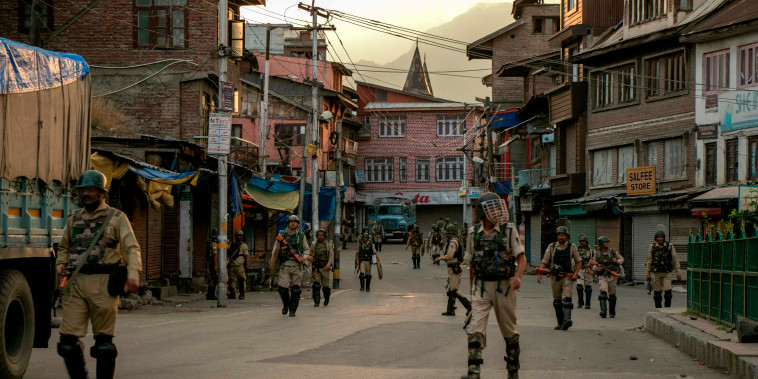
(395, 331)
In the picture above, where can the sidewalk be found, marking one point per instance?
(702, 339)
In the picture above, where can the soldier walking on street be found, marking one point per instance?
(416, 242)
(493, 250)
(435, 243)
(322, 259)
(238, 265)
(378, 231)
(363, 256)
(662, 261)
(607, 267)
(584, 283)
(453, 257)
(559, 259)
(97, 241)
(289, 256)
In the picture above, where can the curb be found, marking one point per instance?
(703, 346)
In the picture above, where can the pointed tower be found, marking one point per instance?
(418, 77)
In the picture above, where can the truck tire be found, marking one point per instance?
(17, 332)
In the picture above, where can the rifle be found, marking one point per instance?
(288, 247)
(544, 271)
(649, 286)
(61, 286)
(595, 263)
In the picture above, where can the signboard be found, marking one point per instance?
(748, 198)
(360, 176)
(475, 192)
(739, 110)
(227, 96)
(640, 181)
(219, 133)
(421, 197)
(708, 131)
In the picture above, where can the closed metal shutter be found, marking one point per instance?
(611, 228)
(643, 231)
(571, 148)
(681, 227)
(583, 225)
(535, 239)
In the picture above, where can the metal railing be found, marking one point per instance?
(538, 178)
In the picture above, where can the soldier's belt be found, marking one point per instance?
(97, 269)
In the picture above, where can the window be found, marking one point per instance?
(25, 15)
(646, 10)
(731, 160)
(716, 71)
(449, 169)
(652, 155)
(570, 5)
(747, 65)
(752, 159)
(710, 163)
(627, 84)
(684, 5)
(403, 169)
(381, 95)
(289, 134)
(545, 25)
(448, 126)
(603, 89)
(392, 127)
(602, 167)
(367, 120)
(379, 170)
(625, 161)
(236, 132)
(422, 169)
(673, 166)
(665, 75)
(160, 24)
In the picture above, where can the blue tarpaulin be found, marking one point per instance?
(166, 177)
(236, 195)
(503, 188)
(25, 68)
(325, 196)
(506, 119)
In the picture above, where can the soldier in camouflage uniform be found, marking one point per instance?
(559, 258)
(453, 257)
(416, 242)
(237, 263)
(584, 283)
(497, 263)
(92, 295)
(608, 261)
(363, 261)
(435, 242)
(378, 231)
(291, 263)
(322, 259)
(662, 261)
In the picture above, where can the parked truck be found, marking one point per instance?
(396, 214)
(44, 133)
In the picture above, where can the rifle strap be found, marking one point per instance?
(110, 213)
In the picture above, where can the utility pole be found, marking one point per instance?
(337, 207)
(222, 184)
(314, 123)
(264, 107)
(303, 172)
(464, 182)
(35, 23)
(490, 149)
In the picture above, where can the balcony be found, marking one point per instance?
(568, 184)
(536, 179)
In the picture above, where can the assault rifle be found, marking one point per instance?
(595, 263)
(288, 247)
(61, 286)
(549, 273)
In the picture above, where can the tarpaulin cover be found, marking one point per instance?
(44, 113)
(110, 168)
(283, 201)
(270, 193)
(503, 187)
(113, 169)
(167, 177)
(236, 185)
(505, 119)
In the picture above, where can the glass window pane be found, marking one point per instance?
(177, 19)
(179, 2)
(143, 2)
(161, 2)
(178, 37)
(143, 33)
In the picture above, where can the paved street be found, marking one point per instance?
(395, 331)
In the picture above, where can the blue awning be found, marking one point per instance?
(506, 119)
(25, 68)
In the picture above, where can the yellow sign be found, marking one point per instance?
(640, 181)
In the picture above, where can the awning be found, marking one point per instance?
(502, 149)
(506, 119)
(722, 194)
(595, 206)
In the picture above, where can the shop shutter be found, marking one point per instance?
(170, 239)
(571, 148)
(583, 225)
(611, 228)
(535, 239)
(643, 231)
(680, 228)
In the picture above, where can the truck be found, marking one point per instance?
(396, 214)
(44, 133)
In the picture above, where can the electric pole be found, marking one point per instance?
(490, 149)
(222, 185)
(264, 106)
(314, 124)
(337, 207)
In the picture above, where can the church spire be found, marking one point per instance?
(418, 76)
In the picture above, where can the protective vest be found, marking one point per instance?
(436, 238)
(458, 255)
(561, 258)
(377, 229)
(606, 259)
(585, 253)
(295, 241)
(661, 258)
(492, 255)
(235, 252)
(82, 233)
(417, 239)
(321, 252)
(364, 252)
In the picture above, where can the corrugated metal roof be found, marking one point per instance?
(723, 193)
(737, 12)
(605, 195)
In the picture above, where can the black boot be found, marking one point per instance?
(612, 305)
(513, 351)
(284, 293)
(294, 299)
(368, 283)
(568, 305)
(231, 295)
(72, 351)
(464, 301)
(241, 285)
(105, 353)
(657, 298)
(588, 294)
(327, 293)
(667, 298)
(450, 306)
(362, 278)
(580, 295)
(603, 303)
(316, 290)
(558, 307)
(211, 294)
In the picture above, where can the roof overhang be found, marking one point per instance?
(523, 67)
(482, 48)
(568, 35)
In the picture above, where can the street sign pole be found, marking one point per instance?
(222, 180)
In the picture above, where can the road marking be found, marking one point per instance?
(193, 319)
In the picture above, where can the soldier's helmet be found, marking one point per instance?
(447, 219)
(451, 230)
(364, 235)
(491, 206)
(583, 238)
(92, 178)
(603, 239)
(239, 233)
(415, 228)
(660, 233)
(320, 231)
(563, 230)
(293, 218)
